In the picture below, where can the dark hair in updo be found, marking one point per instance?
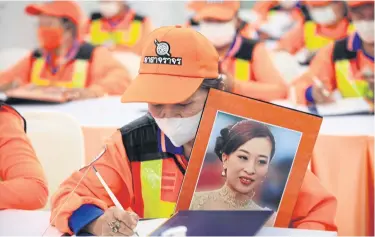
(234, 136)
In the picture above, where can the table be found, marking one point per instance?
(33, 223)
(343, 156)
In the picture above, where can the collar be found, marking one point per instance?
(123, 17)
(355, 45)
(68, 57)
(165, 145)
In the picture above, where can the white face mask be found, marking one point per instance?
(180, 130)
(109, 9)
(219, 34)
(365, 30)
(323, 15)
(288, 4)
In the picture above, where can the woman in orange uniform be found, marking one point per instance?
(345, 61)
(118, 27)
(145, 161)
(64, 60)
(22, 181)
(329, 22)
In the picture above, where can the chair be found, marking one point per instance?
(58, 142)
(10, 56)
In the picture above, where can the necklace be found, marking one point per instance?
(229, 197)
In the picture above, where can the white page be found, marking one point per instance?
(344, 106)
(146, 227)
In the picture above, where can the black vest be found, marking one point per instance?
(141, 142)
(98, 16)
(341, 52)
(246, 49)
(24, 121)
(84, 53)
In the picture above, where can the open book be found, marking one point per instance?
(347, 106)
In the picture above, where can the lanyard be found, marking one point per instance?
(69, 56)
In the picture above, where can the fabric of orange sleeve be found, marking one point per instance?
(321, 67)
(315, 208)
(18, 72)
(108, 75)
(22, 181)
(114, 167)
(293, 40)
(267, 83)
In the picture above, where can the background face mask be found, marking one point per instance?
(288, 4)
(365, 29)
(220, 34)
(109, 9)
(179, 130)
(323, 15)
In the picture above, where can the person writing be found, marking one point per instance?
(22, 181)
(345, 66)
(118, 27)
(246, 61)
(64, 60)
(145, 161)
(246, 150)
(329, 22)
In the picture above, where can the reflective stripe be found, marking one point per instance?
(151, 177)
(313, 41)
(242, 70)
(126, 37)
(343, 80)
(79, 75)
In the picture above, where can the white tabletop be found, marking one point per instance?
(110, 112)
(34, 223)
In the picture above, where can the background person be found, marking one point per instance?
(344, 61)
(22, 181)
(64, 60)
(118, 27)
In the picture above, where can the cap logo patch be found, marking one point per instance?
(164, 56)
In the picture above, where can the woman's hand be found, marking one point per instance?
(124, 221)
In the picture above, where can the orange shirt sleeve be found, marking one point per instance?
(293, 41)
(315, 207)
(268, 84)
(19, 72)
(262, 7)
(108, 75)
(113, 166)
(321, 67)
(146, 30)
(22, 181)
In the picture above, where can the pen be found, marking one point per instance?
(319, 84)
(110, 193)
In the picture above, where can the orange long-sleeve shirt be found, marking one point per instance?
(323, 68)
(294, 40)
(265, 82)
(22, 181)
(106, 75)
(315, 209)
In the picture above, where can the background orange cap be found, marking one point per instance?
(66, 8)
(175, 60)
(358, 3)
(317, 3)
(221, 10)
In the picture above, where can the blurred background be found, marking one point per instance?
(287, 142)
(19, 32)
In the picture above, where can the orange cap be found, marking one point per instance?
(358, 3)
(175, 60)
(317, 3)
(68, 9)
(221, 10)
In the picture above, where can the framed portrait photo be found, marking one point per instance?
(248, 155)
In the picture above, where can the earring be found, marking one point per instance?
(223, 173)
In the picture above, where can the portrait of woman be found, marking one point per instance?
(245, 149)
